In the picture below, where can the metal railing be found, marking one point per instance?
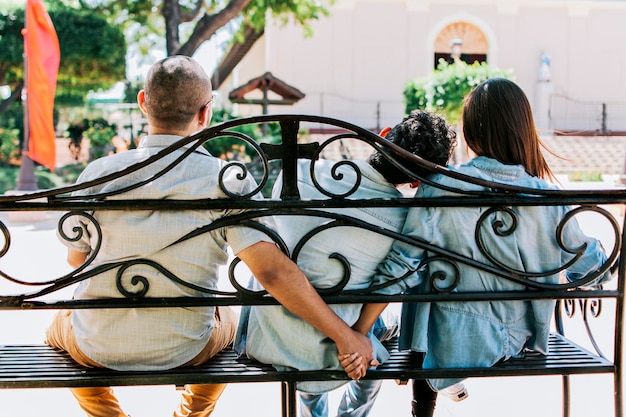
(573, 116)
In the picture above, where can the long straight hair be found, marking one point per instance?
(498, 123)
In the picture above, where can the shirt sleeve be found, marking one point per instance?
(403, 260)
(241, 237)
(76, 234)
(592, 259)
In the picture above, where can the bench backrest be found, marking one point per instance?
(498, 197)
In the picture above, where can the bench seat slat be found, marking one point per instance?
(39, 366)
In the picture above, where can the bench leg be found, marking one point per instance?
(619, 394)
(566, 396)
(288, 396)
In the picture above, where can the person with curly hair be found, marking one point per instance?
(271, 334)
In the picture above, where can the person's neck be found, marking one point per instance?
(161, 131)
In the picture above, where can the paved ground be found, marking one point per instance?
(36, 253)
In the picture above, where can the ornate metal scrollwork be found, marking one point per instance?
(246, 292)
(132, 285)
(569, 306)
(6, 235)
(335, 171)
(589, 307)
(439, 277)
(502, 228)
(243, 169)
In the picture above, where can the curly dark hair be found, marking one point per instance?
(425, 134)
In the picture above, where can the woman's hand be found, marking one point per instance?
(353, 364)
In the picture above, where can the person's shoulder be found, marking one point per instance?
(438, 183)
(109, 164)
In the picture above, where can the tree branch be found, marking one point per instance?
(187, 14)
(172, 14)
(209, 24)
(235, 54)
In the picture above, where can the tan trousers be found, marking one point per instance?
(198, 400)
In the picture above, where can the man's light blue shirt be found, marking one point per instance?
(155, 338)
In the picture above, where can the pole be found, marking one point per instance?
(26, 178)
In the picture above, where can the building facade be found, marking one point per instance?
(569, 57)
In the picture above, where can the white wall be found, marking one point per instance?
(367, 50)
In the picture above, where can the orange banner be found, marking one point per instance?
(42, 64)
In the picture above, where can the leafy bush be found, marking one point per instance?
(587, 176)
(233, 148)
(45, 179)
(445, 88)
(99, 132)
(10, 152)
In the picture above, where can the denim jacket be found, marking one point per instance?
(483, 333)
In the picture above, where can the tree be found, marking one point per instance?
(186, 24)
(445, 88)
(93, 53)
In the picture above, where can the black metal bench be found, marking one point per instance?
(39, 366)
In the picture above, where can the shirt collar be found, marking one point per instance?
(497, 168)
(163, 141)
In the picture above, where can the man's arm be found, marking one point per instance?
(286, 282)
(76, 258)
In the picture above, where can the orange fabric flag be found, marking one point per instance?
(42, 64)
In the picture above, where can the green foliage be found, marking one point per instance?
(10, 149)
(131, 89)
(445, 88)
(301, 12)
(586, 176)
(13, 117)
(233, 148)
(45, 179)
(93, 52)
(11, 46)
(145, 18)
(100, 134)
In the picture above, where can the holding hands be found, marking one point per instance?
(356, 363)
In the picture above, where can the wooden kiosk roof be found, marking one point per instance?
(266, 83)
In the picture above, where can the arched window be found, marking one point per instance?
(461, 40)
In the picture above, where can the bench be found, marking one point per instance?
(39, 366)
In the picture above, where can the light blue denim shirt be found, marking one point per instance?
(483, 333)
(274, 335)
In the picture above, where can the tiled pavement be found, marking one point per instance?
(570, 154)
(604, 154)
